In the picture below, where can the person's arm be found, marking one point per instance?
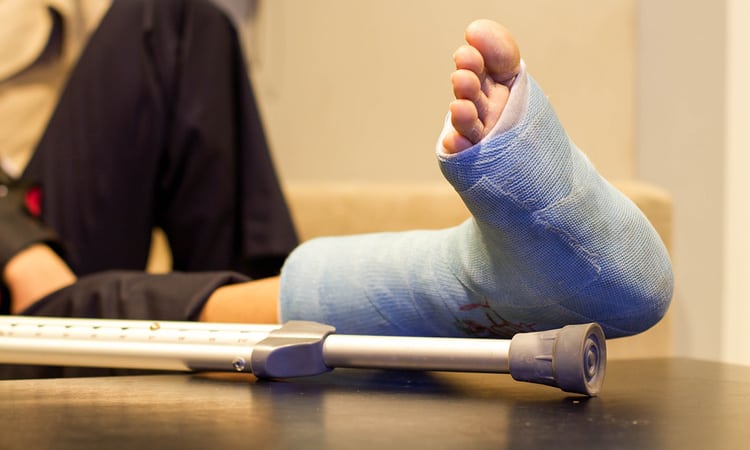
(37, 271)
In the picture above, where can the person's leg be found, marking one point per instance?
(590, 255)
(550, 242)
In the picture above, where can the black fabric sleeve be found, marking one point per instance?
(135, 295)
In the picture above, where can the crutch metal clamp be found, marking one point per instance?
(294, 350)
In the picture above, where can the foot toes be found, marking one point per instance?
(484, 69)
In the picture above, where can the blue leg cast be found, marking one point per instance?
(550, 243)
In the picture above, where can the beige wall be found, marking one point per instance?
(694, 139)
(359, 90)
(736, 335)
(681, 147)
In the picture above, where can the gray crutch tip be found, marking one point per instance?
(573, 358)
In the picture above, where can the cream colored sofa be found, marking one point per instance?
(321, 209)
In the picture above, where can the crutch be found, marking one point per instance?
(572, 358)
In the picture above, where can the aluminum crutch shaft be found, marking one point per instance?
(572, 358)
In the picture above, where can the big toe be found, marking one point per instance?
(502, 58)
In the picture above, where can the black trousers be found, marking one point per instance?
(158, 126)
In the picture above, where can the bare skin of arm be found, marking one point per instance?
(251, 302)
(34, 273)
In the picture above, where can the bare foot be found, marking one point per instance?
(485, 68)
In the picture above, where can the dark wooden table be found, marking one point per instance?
(645, 404)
